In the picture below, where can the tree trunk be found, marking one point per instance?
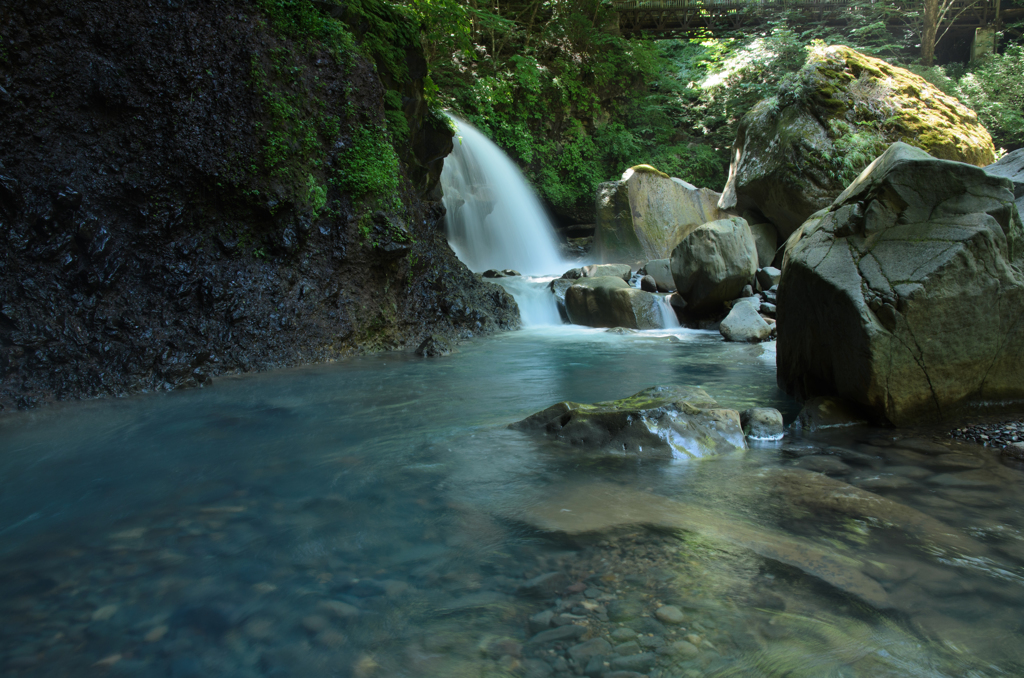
(929, 30)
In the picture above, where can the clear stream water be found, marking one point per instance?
(376, 517)
(363, 518)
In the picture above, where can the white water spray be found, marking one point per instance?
(494, 218)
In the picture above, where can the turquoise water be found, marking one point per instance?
(372, 518)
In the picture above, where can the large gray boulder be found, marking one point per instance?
(713, 264)
(647, 213)
(1011, 166)
(611, 302)
(744, 324)
(661, 271)
(766, 239)
(905, 296)
(796, 151)
(663, 422)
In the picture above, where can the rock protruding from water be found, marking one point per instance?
(663, 422)
(905, 296)
(647, 213)
(745, 324)
(713, 264)
(661, 271)
(762, 423)
(796, 151)
(435, 345)
(623, 271)
(610, 302)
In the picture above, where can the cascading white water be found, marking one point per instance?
(494, 218)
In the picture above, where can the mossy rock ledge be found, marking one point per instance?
(662, 422)
(796, 151)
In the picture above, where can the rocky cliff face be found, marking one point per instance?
(189, 188)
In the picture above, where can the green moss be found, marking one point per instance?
(369, 164)
(647, 169)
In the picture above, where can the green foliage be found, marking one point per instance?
(301, 21)
(995, 90)
(369, 164)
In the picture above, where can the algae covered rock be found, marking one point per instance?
(647, 213)
(610, 302)
(796, 151)
(663, 422)
(904, 297)
(714, 263)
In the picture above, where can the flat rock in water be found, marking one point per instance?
(822, 493)
(823, 463)
(587, 508)
(662, 422)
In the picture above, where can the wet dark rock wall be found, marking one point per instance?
(144, 244)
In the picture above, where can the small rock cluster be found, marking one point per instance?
(1005, 435)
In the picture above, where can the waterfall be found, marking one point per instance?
(494, 218)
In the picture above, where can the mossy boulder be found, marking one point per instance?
(647, 213)
(904, 297)
(610, 302)
(663, 422)
(796, 151)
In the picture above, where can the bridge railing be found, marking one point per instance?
(972, 6)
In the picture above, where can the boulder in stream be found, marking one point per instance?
(905, 295)
(713, 264)
(611, 302)
(623, 271)
(663, 422)
(644, 215)
(745, 324)
(661, 271)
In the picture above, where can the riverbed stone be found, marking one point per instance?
(640, 663)
(648, 284)
(669, 614)
(823, 463)
(582, 652)
(744, 324)
(561, 633)
(762, 423)
(589, 508)
(623, 634)
(662, 422)
(823, 494)
(825, 413)
(712, 264)
(610, 302)
(904, 296)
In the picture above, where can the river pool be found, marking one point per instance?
(376, 517)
